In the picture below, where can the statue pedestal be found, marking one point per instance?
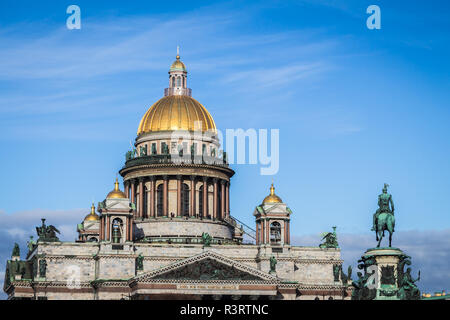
(386, 263)
(382, 276)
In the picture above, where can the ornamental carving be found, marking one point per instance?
(207, 269)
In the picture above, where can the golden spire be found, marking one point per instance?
(272, 197)
(178, 52)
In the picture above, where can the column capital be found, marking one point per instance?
(192, 177)
(222, 182)
(215, 180)
(152, 178)
(141, 179)
(165, 177)
(205, 179)
(179, 176)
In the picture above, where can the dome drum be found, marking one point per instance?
(182, 230)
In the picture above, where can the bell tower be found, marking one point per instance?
(272, 221)
(116, 217)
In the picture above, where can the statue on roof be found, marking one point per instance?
(330, 239)
(16, 250)
(47, 233)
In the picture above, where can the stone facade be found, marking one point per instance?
(170, 234)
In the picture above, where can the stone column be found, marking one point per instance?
(102, 228)
(205, 197)
(227, 199)
(132, 181)
(192, 206)
(288, 233)
(130, 228)
(179, 213)
(215, 198)
(152, 196)
(257, 233)
(108, 227)
(127, 188)
(222, 199)
(165, 196)
(267, 232)
(141, 198)
(262, 232)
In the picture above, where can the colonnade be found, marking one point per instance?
(154, 201)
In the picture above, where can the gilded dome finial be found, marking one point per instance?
(272, 197)
(116, 193)
(116, 185)
(92, 216)
(178, 52)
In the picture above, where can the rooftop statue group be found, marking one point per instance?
(47, 233)
(330, 239)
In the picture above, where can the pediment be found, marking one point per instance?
(207, 266)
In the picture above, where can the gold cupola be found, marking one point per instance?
(177, 110)
(92, 216)
(272, 197)
(178, 65)
(116, 193)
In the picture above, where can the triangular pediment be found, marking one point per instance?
(207, 266)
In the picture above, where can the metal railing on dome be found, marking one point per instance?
(169, 159)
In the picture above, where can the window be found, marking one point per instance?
(173, 81)
(184, 200)
(145, 202)
(159, 200)
(153, 148)
(178, 82)
(164, 148)
(117, 230)
(275, 232)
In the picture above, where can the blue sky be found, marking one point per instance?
(355, 107)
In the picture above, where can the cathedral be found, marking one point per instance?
(170, 234)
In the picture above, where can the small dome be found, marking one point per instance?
(178, 65)
(116, 193)
(272, 197)
(92, 216)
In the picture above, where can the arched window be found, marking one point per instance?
(184, 200)
(173, 81)
(184, 82)
(178, 81)
(159, 200)
(275, 232)
(117, 230)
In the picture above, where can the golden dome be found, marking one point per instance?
(176, 112)
(178, 65)
(92, 216)
(116, 193)
(272, 197)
